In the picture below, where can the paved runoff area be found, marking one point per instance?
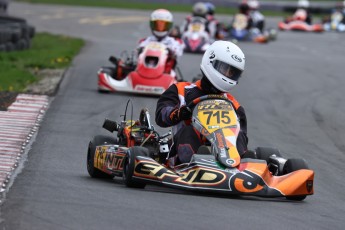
(18, 126)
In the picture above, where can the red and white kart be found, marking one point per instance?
(297, 23)
(152, 74)
(300, 26)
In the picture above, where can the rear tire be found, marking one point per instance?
(292, 165)
(98, 140)
(264, 153)
(128, 168)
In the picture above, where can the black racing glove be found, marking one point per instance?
(183, 113)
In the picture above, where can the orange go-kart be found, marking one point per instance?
(217, 166)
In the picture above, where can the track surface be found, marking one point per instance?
(293, 93)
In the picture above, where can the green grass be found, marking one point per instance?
(132, 4)
(136, 4)
(128, 4)
(47, 52)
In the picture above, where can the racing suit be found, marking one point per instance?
(186, 139)
(258, 19)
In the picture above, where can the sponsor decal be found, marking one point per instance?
(149, 89)
(246, 182)
(219, 137)
(222, 153)
(115, 161)
(202, 176)
(212, 55)
(99, 158)
(152, 170)
(236, 58)
(109, 158)
(309, 185)
(195, 176)
(213, 106)
(204, 132)
(229, 161)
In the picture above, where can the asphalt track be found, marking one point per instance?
(293, 93)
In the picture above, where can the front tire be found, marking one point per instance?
(264, 153)
(292, 165)
(96, 141)
(128, 168)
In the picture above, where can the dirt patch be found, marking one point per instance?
(6, 99)
(47, 85)
(50, 80)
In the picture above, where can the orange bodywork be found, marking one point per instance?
(290, 185)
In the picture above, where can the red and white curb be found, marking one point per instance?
(18, 126)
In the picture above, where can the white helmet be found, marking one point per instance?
(161, 22)
(253, 4)
(223, 63)
(200, 9)
(303, 4)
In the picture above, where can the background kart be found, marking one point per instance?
(196, 38)
(151, 74)
(238, 31)
(300, 26)
(335, 23)
(136, 156)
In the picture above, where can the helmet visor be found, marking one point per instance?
(227, 70)
(160, 25)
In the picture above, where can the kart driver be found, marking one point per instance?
(339, 9)
(258, 19)
(206, 11)
(161, 21)
(302, 13)
(221, 67)
(243, 8)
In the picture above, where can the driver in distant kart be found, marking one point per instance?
(205, 11)
(243, 8)
(161, 21)
(221, 67)
(302, 13)
(339, 9)
(258, 19)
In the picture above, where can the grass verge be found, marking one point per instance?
(178, 7)
(46, 52)
(132, 4)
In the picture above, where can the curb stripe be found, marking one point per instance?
(17, 126)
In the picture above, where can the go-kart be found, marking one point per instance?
(239, 32)
(335, 23)
(196, 38)
(152, 73)
(136, 156)
(298, 23)
(300, 26)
